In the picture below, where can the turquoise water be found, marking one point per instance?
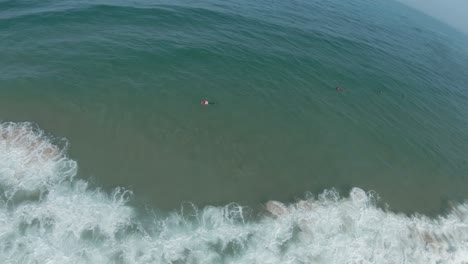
(116, 86)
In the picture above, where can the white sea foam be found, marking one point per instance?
(72, 223)
(29, 161)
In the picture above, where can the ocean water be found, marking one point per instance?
(107, 156)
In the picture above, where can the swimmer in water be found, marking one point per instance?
(205, 102)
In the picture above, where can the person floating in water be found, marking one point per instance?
(338, 89)
(205, 102)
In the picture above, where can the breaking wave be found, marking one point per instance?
(49, 216)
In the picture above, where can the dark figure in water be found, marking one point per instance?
(205, 102)
(338, 89)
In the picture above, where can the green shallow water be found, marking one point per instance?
(122, 82)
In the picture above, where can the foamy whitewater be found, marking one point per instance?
(49, 216)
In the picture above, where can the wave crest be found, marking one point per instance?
(73, 223)
(29, 161)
